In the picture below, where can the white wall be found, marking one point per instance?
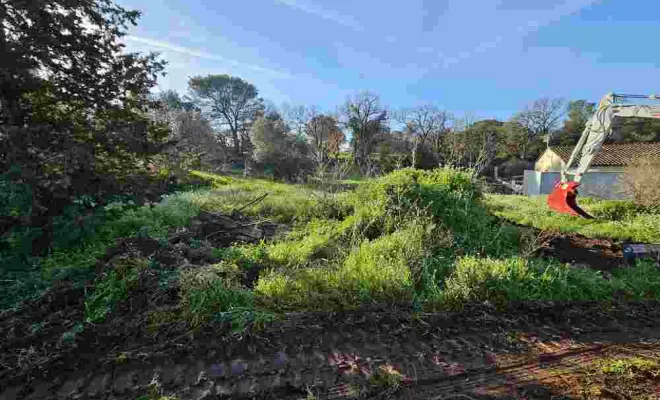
(605, 185)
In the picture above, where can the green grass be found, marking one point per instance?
(517, 279)
(283, 203)
(427, 238)
(377, 270)
(614, 219)
(113, 287)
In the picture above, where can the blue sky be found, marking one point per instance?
(487, 57)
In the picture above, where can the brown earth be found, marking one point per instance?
(600, 254)
(525, 352)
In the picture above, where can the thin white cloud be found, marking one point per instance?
(205, 55)
(309, 8)
(567, 8)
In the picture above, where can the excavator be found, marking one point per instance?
(563, 198)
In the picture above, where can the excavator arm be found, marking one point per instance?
(598, 129)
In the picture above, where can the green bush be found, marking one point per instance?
(447, 195)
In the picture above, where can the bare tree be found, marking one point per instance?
(366, 119)
(453, 146)
(422, 123)
(319, 129)
(542, 117)
(472, 144)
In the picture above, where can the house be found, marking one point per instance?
(604, 177)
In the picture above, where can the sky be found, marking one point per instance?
(489, 58)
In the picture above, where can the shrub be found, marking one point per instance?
(642, 181)
(448, 196)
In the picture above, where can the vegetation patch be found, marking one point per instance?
(113, 287)
(205, 294)
(614, 219)
(517, 279)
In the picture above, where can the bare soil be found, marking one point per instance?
(521, 353)
(600, 254)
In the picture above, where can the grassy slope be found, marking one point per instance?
(533, 211)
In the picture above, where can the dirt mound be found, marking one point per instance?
(600, 254)
(223, 230)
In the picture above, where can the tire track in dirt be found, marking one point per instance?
(333, 354)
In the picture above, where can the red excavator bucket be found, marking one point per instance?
(563, 199)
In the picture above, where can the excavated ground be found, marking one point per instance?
(529, 351)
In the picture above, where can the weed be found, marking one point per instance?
(157, 318)
(69, 337)
(36, 328)
(500, 281)
(122, 358)
(204, 294)
(387, 376)
(113, 287)
(375, 270)
(628, 366)
(155, 392)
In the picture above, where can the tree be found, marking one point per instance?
(635, 130)
(197, 145)
(319, 129)
(72, 104)
(578, 112)
(335, 140)
(367, 121)
(474, 146)
(72, 47)
(423, 123)
(231, 102)
(516, 140)
(541, 118)
(275, 146)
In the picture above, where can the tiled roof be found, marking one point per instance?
(614, 155)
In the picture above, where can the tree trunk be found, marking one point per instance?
(237, 144)
(414, 153)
